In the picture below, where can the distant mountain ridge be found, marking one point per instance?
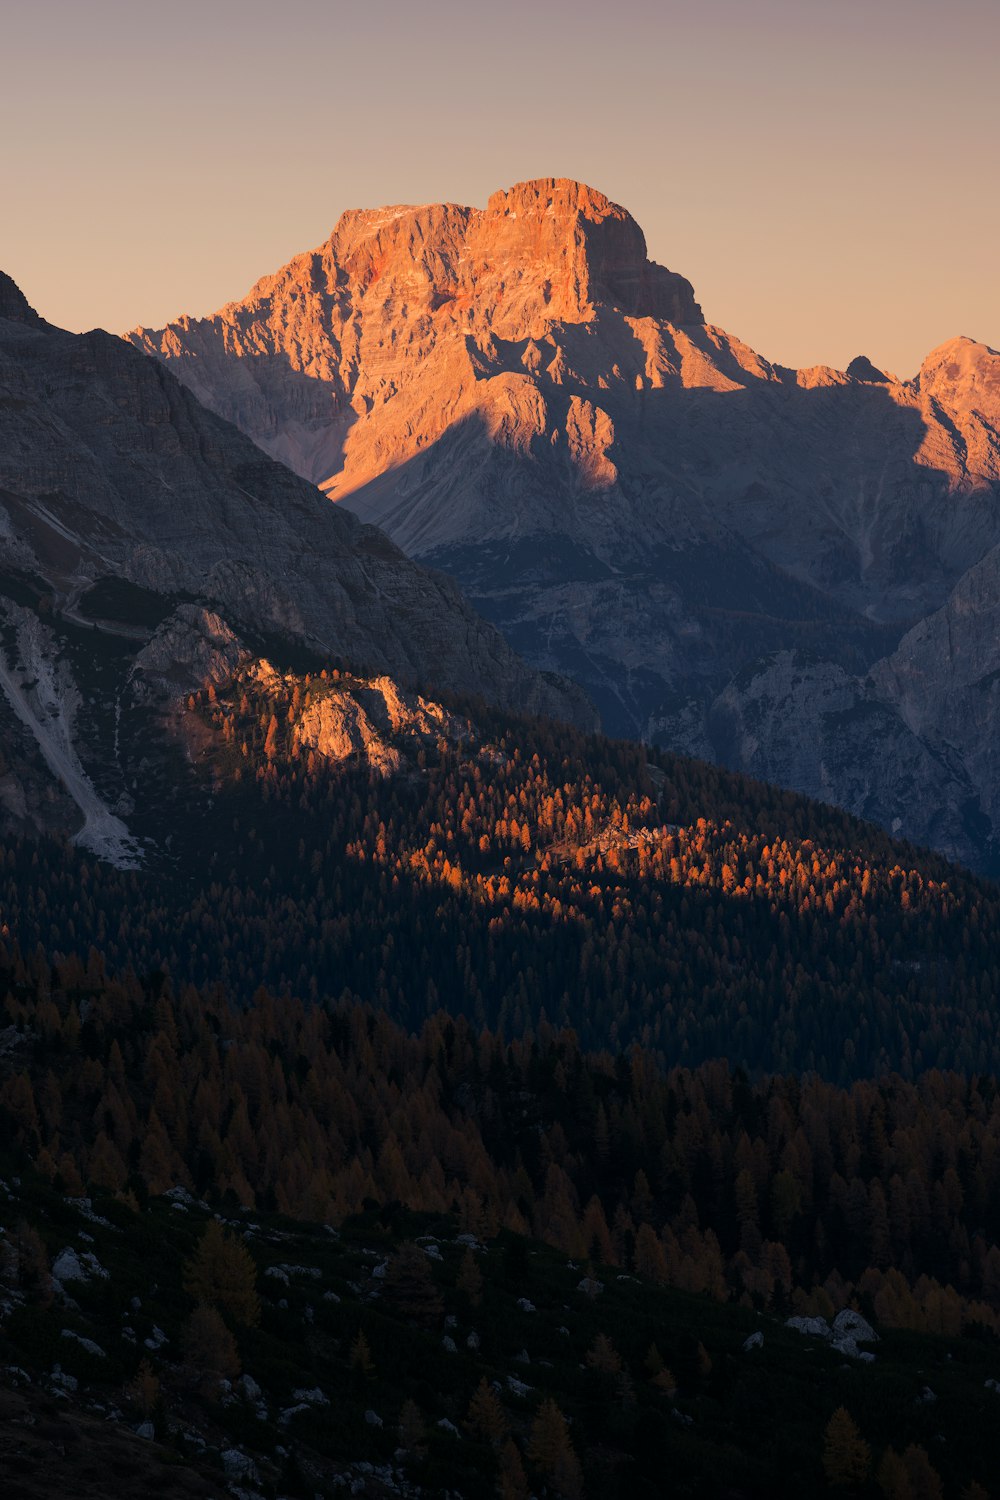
(520, 397)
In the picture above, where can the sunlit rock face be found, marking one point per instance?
(355, 358)
(366, 720)
(518, 395)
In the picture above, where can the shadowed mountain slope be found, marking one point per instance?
(518, 395)
(128, 511)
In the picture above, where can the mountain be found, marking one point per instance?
(431, 1063)
(327, 837)
(145, 544)
(520, 397)
(405, 1093)
(402, 1096)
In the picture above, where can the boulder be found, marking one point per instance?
(817, 1327)
(67, 1266)
(313, 1397)
(239, 1465)
(851, 1324)
(87, 1344)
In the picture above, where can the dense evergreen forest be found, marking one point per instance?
(524, 872)
(687, 1215)
(526, 983)
(788, 1194)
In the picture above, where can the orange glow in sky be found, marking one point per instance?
(825, 174)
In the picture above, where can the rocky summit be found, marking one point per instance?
(790, 571)
(358, 356)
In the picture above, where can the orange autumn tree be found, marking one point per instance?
(223, 1274)
(847, 1458)
(551, 1451)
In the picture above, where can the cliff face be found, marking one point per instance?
(144, 542)
(354, 358)
(519, 396)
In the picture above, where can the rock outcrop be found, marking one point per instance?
(367, 720)
(639, 500)
(849, 1329)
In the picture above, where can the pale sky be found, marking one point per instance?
(825, 172)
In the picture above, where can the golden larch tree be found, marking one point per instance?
(551, 1451)
(847, 1458)
(486, 1417)
(223, 1274)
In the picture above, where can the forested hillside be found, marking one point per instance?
(391, 965)
(369, 1267)
(786, 1194)
(515, 870)
(264, 1010)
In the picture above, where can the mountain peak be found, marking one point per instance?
(590, 249)
(962, 352)
(543, 251)
(14, 305)
(555, 194)
(961, 341)
(962, 372)
(861, 368)
(416, 308)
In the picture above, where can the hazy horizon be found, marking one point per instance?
(820, 174)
